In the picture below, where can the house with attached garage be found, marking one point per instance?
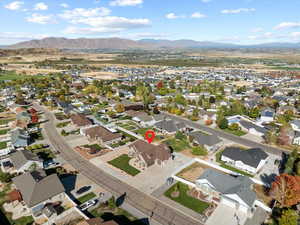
(252, 128)
(267, 115)
(24, 160)
(236, 192)
(210, 142)
(19, 138)
(250, 160)
(101, 134)
(296, 140)
(38, 190)
(295, 125)
(146, 155)
(170, 126)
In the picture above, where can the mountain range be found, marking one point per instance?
(123, 44)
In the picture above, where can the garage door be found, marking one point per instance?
(228, 202)
(243, 208)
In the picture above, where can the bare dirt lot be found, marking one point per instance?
(192, 172)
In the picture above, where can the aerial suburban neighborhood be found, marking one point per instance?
(142, 130)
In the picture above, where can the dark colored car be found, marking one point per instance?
(83, 189)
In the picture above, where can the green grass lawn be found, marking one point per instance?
(26, 220)
(235, 132)
(94, 146)
(8, 75)
(3, 145)
(5, 121)
(122, 162)
(224, 165)
(2, 132)
(86, 197)
(199, 151)
(186, 200)
(63, 124)
(177, 145)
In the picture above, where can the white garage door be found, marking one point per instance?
(228, 202)
(243, 208)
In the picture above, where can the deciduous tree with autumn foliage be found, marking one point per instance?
(286, 190)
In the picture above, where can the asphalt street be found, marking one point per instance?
(149, 205)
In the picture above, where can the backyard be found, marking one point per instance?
(3, 145)
(177, 145)
(179, 193)
(122, 163)
(5, 131)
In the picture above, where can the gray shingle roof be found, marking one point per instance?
(227, 184)
(20, 158)
(251, 157)
(249, 125)
(36, 187)
(205, 139)
(169, 125)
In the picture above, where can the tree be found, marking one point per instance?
(254, 112)
(160, 85)
(222, 122)
(234, 126)
(286, 190)
(120, 108)
(289, 217)
(289, 166)
(285, 135)
(179, 135)
(271, 137)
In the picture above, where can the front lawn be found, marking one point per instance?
(5, 121)
(3, 145)
(184, 199)
(224, 165)
(5, 131)
(122, 163)
(86, 197)
(199, 151)
(63, 124)
(26, 220)
(177, 145)
(235, 132)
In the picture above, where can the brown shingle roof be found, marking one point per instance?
(150, 152)
(80, 120)
(101, 133)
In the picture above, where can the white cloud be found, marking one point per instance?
(78, 13)
(174, 16)
(90, 30)
(40, 6)
(40, 19)
(206, 1)
(64, 5)
(295, 35)
(236, 11)
(286, 25)
(13, 37)
(14, 5)
(198, 15)
(257, 30)
(126, 2)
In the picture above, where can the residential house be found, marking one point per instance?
(208, 141)
(146, 154)
(170, 126)
(101, 134)
(267, 115)
(25, 160)
(250, 160)
(37, 189)
(236, 192)
(19, 138)
(80, 120)
(252, 128)
(296, 140)
(295, 125)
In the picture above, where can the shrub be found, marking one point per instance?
(199, 151)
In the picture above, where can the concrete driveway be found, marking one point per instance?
(270, 170)
(225, 215)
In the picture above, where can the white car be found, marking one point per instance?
(87, 204)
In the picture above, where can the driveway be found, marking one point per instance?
(270, 170)
(225, 215)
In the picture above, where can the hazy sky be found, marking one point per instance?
(236, 21)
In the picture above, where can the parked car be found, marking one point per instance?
(83, 189)
(87, 204)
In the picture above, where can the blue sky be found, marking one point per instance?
(234, 21)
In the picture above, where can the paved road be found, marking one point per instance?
(231, 137)
(162, 213)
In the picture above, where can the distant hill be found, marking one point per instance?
(123, 44)
(81, 43)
